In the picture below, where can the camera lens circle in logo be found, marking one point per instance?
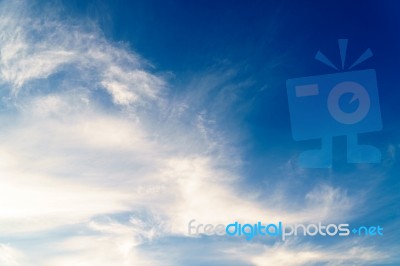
(359, 93)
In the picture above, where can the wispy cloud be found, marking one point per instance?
(35, 48)
(11, 257)
(307, 254)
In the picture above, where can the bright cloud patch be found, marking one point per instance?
(35, 48)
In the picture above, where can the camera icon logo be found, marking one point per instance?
(344, 103)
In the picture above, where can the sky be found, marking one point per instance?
(122, 121)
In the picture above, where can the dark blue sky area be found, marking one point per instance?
(181, 35)
(267, 42)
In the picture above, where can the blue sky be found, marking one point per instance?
(124, 120)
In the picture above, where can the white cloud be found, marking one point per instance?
(97, 250)
(10, 256)
(298, 254)
(34, 48)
